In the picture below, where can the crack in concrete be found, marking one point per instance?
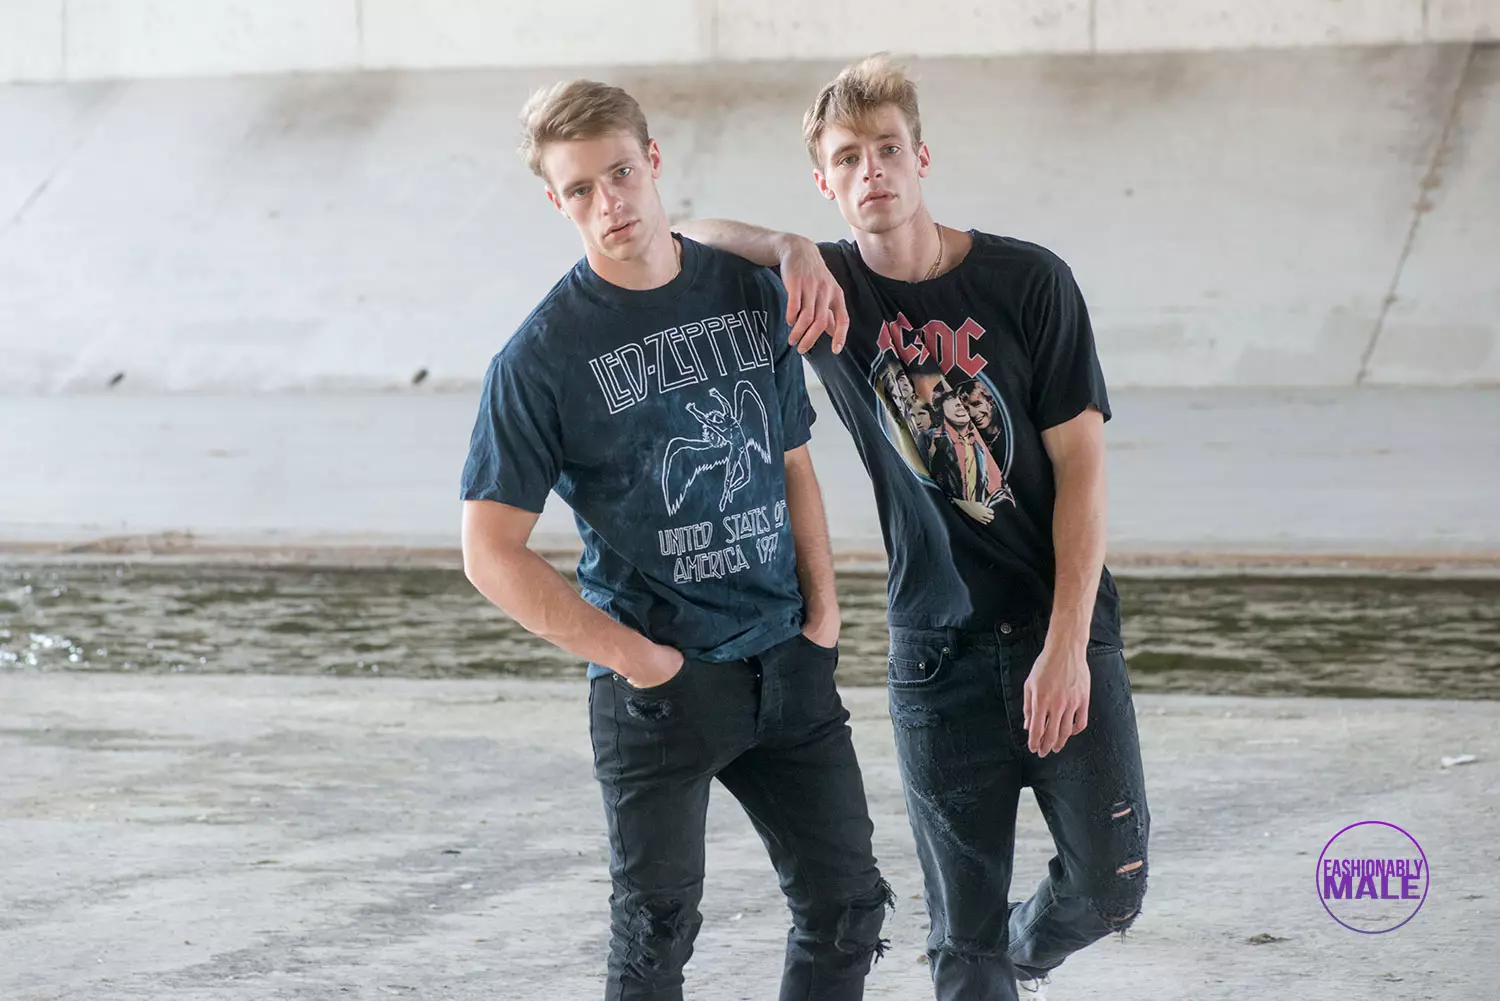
(98, 115)
(1430, 181)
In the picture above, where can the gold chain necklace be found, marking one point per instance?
(932, 271)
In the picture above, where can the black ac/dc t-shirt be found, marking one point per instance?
(946, 386)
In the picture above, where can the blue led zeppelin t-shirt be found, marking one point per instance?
(946, 387)
(661, 417)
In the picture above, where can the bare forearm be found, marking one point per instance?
(754, 243)
(1079, 537)
(529, 590)
(814, 300)
(804, 501)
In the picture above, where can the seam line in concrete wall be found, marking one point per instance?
(1421, 207)
(1094, 26)
(359, 33)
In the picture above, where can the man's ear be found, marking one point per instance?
(822, 183)
(653, 157)
(924, 160)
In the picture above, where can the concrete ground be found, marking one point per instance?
(1399, 476)
(217, 837)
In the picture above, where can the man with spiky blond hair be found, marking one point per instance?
(1006, 663)
(654, 390)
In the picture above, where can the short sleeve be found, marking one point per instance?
(515, 449)
(797, 414)
(833, 256)
(1066, 378)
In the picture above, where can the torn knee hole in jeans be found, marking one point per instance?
(1120, 922)
(661, 920)
(1120, 810)
(659, 930)
(858, 931)
(1120, 913)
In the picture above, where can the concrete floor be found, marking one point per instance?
(219, 837)
(1310, 476)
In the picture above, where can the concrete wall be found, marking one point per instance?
(108, 39)
(1293, 217)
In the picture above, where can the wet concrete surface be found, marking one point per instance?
(249, 838)
(1416, 637)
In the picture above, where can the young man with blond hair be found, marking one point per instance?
(655, 391)
(1006, 663)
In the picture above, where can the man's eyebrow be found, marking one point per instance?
(850, 145)
(622, 162)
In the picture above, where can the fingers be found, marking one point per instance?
(813, 312)
(818, 310)
(1048, 726)
(1081, 718)
(1037, 732)
(1061, 726)
(1055, 702)
(803, 331)
(1028, 714)
(1051, 740)
(823, 325)
(800, 319)
(1064, 731)
(840, 319)
(814, 331)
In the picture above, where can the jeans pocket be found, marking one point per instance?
(1107, 665)
(816, 646)
(827, 656)
(914, 665)
(653, 691)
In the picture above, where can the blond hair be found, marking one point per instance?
(858, 91)
(577, 109)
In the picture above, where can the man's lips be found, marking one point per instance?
(621, 229)
(877, 196)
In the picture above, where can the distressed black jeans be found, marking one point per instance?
(956, 705)
(774, 732)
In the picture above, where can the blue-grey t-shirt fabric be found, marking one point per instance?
(661, 417)
(946, 387)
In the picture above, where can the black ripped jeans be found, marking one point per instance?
(773, 730)
(957, 710)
